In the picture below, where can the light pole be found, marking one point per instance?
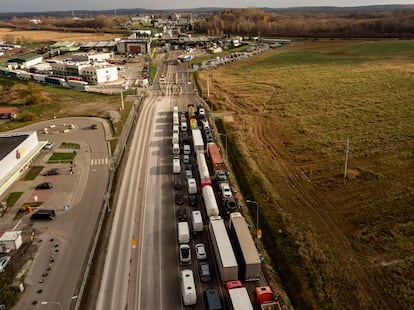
(257, 214)
(225, 136)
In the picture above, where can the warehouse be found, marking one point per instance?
(17, 151)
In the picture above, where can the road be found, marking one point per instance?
(64, 243)
(146, 276)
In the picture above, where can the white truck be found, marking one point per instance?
(175, 138)
(192, 186)
(188, 290)
(210, 202)
(198, 142)
(197, 221)
(176, 165)
(223, 251)
(244, 248)
(183, 232)
(176, 149)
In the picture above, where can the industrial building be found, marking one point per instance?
(26, 60)
(17, 151)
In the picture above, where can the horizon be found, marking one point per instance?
(26, 6)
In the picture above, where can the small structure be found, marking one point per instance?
(10, 241)
(25, 60)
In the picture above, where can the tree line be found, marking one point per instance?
(254, 22)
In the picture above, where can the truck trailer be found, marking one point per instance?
(237, 296)
(203, 172)
(226, 261)
(244, 248)
(210, 202)
(198, 142)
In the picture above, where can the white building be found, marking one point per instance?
(99, 57)
(99, 73)
(17, 151)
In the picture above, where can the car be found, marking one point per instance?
(179, 199)
(94, 126)
(185, 254)
(225, 190)
(49, 145)
(177, 183)
(192, 199)
(44, 215)
(186, 158)
(182, 214)
(44, 185)
(187, 149)
(204, 269)
(188, 174)
(200, 251)
(3, 262)
(53, 171)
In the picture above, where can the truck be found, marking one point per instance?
(55, 81)
(203, 171)
(237, 296)
(210, 202)
(183, 232)
(216, 160)
(264, 299)
(175, 138)
(197, 221)
(188, 289)
(78, 84)
(198, 142)
(176, 166)
(246, 252)
(175, 119)
(223, 251)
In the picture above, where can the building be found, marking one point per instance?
(136, 43)
(92, 56)
(99, 73)
(63, 47)
(10, 241)
(26, 60)
(17, 151)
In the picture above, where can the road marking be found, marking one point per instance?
(99, 161)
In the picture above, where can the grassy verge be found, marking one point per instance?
(62, 157)
(335, 244)
(32, 173)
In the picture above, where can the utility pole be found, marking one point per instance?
(346, 159)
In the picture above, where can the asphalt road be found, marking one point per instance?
(142, 264)
(54, 275)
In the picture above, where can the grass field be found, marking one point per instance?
(338, 244)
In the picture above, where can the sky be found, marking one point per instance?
(64, 5)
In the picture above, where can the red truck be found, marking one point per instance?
(264, 299)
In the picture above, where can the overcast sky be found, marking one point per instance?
(63, 5)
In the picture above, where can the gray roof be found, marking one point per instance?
(9, 142)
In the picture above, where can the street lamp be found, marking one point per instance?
(257, 212)
(225, 136)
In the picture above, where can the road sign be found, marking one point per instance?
(133, 244)
(259, 233)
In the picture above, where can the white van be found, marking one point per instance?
(176, 149)
(176, 129)
(197, 221)
(188, 290)
(175, 119)
(192, 186)
(176, 165)
(175, 109)
(175, 138)
(187, 149)
(183, 126)
(183, 232)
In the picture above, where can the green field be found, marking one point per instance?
(337, 243)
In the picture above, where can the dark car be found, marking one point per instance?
(45, 185)
(204, 269)
(182, 214)
(192, 199)
(179, 198)
(43, 215)
(94, 126)
(177, 183)
(53, 171)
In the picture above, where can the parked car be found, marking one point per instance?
(53, 171)
(186, 158)
(200, 251)
(44, 185)
(179, 199)
(44, 215)
(185, 254)
(204, 269)
(49, 145)
(3, 262)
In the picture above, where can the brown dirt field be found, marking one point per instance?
(331, 241)
(41, 36)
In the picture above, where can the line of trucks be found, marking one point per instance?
(234, 249)
(70, 81)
